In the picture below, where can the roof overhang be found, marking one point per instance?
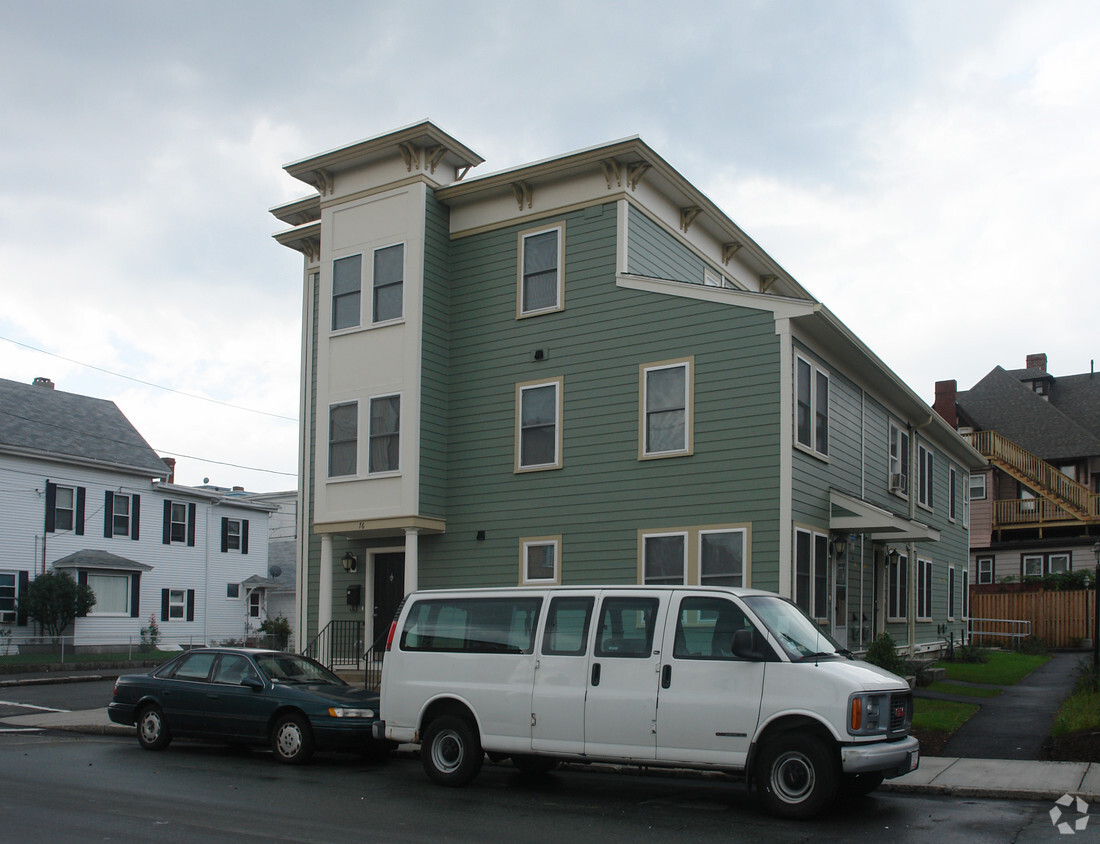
(854, 515)
(99, 560)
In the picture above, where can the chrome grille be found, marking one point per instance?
(901, 712)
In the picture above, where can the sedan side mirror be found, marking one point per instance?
(742, 645)
(253, 683)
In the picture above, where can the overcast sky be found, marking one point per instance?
(928, 170)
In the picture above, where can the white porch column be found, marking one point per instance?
(411, 566)
(324, 584)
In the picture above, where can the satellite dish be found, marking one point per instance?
(276, 571)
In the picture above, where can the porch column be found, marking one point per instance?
(411, 569)
(324, 584)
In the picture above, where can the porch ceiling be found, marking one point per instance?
(857, 516)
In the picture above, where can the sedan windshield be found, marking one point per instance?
(799, 635)
(291, 668)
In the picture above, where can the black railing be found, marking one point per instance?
(338, 646)
(374, 656)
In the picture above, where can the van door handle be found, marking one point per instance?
(595, 674)
(666, 677)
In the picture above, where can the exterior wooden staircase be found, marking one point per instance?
(1063, 501)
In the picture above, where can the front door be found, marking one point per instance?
(389, 589)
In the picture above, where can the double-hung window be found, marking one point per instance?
(722, 557)
(985, 569)
(952, 494)
(343, 439)
(234, 535)
(64, 508)
(389, 283)
(924, 475)
(899, 459)
(811, 572)
(121, 515)
(977, 487)
(898, 599)
(177, 603)
(540, 560)
(667, 412)
(924, 590)
(811, 407)
(7, 597)
(664, 559)
(540, 276)
(385, 434)
(347, 284)
(951, 593)
(538, 425)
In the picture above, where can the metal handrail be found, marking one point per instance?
(1020, 628)
(373, 657)
(340, 644)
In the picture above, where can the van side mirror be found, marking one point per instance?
(742, 645)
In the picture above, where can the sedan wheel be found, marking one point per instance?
(292, 740)
(152, 731)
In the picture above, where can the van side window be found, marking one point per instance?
(706, 626)
(626, 627)
(472, 625)
(567, 623)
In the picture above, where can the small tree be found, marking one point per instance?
(278, 629)
(54, 599)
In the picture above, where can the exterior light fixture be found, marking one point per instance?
(350, 562)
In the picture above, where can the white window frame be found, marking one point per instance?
(173, 522)
(347, 294)
(521, 389)
(646, 537)
(966, 502)
(232, 591)
(115, 515)
(925, 476)
(713, 278)
(983, 572)
(1025, 559)
(811, 443)
(529, 544)
(8, 616)
(688, 445)
(708, 579)
(897, 579)
(977, 485)
(559, 304)
(1059, 555)
(817, 589)
(374, 288)
(96, 576)
(372, 435)
(256, 603)
(952, 494)
(898, 444)
(965, 594)
(353, 441)
(924, 589)
(177, 604)
(58, 509)
(231, 537)
(951, 593)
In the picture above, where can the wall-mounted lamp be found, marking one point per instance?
(893, 556)
(350, 562)
(840, 544)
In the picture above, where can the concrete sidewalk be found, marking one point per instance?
(992, 778)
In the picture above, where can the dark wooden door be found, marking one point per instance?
(389, 589)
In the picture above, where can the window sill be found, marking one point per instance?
(664, 455)
(359, 329)
(809, 452)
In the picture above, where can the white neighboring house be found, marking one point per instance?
(81, 491)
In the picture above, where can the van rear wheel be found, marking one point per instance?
(451, 751)
(797, 775)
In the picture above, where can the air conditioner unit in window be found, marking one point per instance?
(897, 483)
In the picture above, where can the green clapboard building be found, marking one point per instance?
(580, 370)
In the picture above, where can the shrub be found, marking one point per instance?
(150, 635)
(1086, 678)
(883, 653)
(969, 653)
(278, 628)
(1033, 645)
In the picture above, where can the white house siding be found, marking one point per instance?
(26, 546)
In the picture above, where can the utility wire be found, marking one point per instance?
(151, 384)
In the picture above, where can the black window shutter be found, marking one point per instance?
(135, 594)
(108, 513)
(190, 604)
(79, 526)
(135, 515)
(225, 534)
(244, 536)
(82, 579)
(51, 507)
(166, 538)
(191, 524)
(163, 604)
(24, 584)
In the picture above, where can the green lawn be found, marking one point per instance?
(84, 658)
(959, 689)
(1001, 668)
(1080, 712)
(942, 716)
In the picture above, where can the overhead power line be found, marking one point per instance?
(151, 384)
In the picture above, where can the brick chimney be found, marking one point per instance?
(43, 382)
(946, 391)
(170, 462)
(1038, 361)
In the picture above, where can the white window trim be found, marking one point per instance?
(952, 494)
(647, 535)
(374, 321)
(229, 534)
(1023, 565)
(229, 597)
(966, 594)
(814, 536)
(367, 321)
(558, 384)
(898, 464)
(70, 510)
(181, 604)
(926, 462)
(522, 242)
(744, 550)
(525, 545)
(1050, 561)
(892, 589)
(332, 295)
(952, 594)
(688, 365)
(813, 448)
(925, 592)
(980, 480)
(10, 616)
(992, 569)
(129, 590)
(370, 433)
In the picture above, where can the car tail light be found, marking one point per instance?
(389, 638)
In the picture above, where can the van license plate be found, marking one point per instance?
(914, 760)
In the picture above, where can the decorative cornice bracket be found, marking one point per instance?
(729, 250)
(435, 155)
(635, 173)
(323, 181)
(688, 215)
(523, 193)
(411, 155)
(612, 171)
(766, 281)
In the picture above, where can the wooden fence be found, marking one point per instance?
(1059, 618)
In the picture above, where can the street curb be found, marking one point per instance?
(977, 791)
(48, 681)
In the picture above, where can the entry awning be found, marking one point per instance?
(102, 560)
(257, 582)
(857, 516)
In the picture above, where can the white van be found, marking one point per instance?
(698, 677)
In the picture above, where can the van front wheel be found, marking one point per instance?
(797, 775)
(451, 752)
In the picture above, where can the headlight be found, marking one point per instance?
(868, 714)
(344, 712)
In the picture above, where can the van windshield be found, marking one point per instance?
(798, 634)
